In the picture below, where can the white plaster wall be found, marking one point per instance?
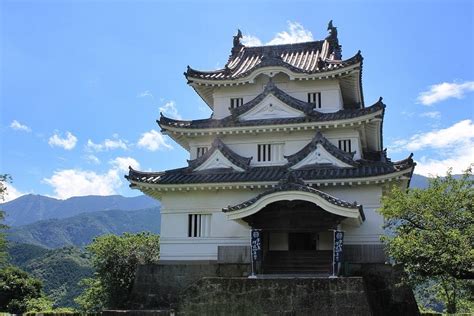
(175, 207)
(176, 245)
(331, 97)
(246, 144)
(369, 196)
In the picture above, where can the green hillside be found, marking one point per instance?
(81, 229)
(59, 269)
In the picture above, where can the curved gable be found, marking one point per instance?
(271, 107)
(320, 152)
(219, 156)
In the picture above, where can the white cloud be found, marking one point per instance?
(92, 159)
(456, 135)
(122, 163)
(144, 94)
(170, 110)
(458, 159)
(11, 193)
(250, 40)
(296, 33)
(17, 126)
(68, 143)
(153, 141)
(452, 147)
(442, 91)
(74, 182)
(432, 115)
(108, 144)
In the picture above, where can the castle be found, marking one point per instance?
(290, 149)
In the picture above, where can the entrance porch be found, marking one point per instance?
(297, 237)
(296, 223)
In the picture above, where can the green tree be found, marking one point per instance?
(16, 288)
(19, 292)
(4, 178)
(115, 259)
(431, 234)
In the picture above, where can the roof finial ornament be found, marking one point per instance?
(332, 30)
(237, 44)
(237, 38)
(289, 179)
(333, 41)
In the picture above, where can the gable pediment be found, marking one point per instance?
(270, 108)
(219, 156)
(217, 160)
(320, 156)
(320, 152)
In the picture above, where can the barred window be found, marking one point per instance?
(201, 151)
(236, 102)
(345, 145)
(269, 152)
(315, 98)
(199, 225)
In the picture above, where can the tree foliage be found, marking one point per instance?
(16, 289)
(19, 292)
(431, 232)
(115, 259)
(4, 178)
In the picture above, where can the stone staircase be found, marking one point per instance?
(298, 262)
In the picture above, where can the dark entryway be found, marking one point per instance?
(301, 241)
(291, 231)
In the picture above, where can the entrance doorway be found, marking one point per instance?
(302, 241)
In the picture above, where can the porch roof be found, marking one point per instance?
(290, 189)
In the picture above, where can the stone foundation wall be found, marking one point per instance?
(211, 288)
(158, 286)
(291, 296)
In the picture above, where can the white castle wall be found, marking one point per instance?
(331, 97)
(246, 144)
(176, 245)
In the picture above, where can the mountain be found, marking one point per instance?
(60, 270)
(81, 229)
(418, 181)
(422, 182)
(31, 208)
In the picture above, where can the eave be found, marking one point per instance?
(402, 175)
(182, 134)
(205, 88)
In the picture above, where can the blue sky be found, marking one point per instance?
(82, 82)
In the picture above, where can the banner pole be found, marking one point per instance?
(333, 254)
(252, 274)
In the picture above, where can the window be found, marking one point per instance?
(315, 98)
(269, 152)
(199, 225)
(264, 152)
(201, 151)
(236, 102)
(345, 145)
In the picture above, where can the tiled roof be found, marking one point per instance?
(270, 173)
(320, 139)
(285, 185)
(232, 121)
(233, 157)
(308, 58)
